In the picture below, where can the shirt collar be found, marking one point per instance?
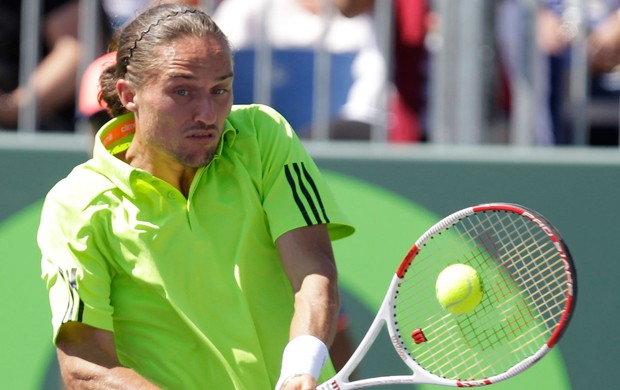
(115, 137)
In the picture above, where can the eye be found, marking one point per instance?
(181, 92)
(219, 91)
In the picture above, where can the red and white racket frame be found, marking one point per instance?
(385, 314)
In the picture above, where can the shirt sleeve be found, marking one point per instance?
(76, 275)
(295, 193)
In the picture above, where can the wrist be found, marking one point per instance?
(304, 354)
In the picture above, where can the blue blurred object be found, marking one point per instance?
(293, 83)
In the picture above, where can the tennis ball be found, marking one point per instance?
(458, 288)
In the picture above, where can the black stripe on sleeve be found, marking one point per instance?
(80, 317)
(307, 195)
(75, 297)
(300, 205)
(74, 292)
(69, 309)
(316, 191)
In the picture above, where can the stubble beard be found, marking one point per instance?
(199, 160)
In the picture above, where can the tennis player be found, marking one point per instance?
(193, 250)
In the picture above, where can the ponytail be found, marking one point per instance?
(108, 93)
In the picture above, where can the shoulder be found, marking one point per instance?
(265, 127)
(76, 211)
(255, 114)
(76, 193)
(260, 122)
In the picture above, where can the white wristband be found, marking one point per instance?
(304, 354)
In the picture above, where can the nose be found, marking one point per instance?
(205, 110)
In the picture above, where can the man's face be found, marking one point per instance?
(182, 106)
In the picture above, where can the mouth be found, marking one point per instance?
(202, 136)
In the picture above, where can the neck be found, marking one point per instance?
(177, 175)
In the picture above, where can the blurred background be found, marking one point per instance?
(513, 72)
(413, 108)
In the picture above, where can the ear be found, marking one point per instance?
(126, 94)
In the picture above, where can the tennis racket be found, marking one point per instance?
(529, 294)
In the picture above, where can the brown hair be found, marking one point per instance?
(140, 40)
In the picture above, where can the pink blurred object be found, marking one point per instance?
(88, 104)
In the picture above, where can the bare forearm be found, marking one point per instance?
(316, 312)
(308, 260)
(78, 373)
(55, 78)
(53, 83)
(113, 378)
(87, 359)
(603, 45)
(316, 309)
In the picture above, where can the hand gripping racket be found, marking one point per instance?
(529, 294)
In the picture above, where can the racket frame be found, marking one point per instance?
(386, 315)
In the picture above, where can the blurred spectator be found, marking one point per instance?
(409, 64)
(55, 76)
(304, 24)
(557, 30)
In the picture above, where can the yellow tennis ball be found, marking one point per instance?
(458, 288)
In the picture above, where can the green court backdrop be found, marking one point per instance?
(392, 196)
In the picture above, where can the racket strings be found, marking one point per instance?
(524, 296)
(548, 294)
(525, 272)
(541, 263)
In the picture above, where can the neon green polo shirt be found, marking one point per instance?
(193, 289)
